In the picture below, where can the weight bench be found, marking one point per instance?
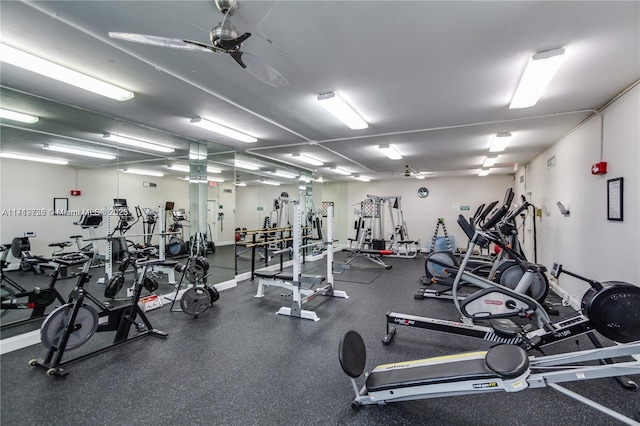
(501, 368)
(279, 279)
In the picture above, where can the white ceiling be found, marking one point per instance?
(432, 78)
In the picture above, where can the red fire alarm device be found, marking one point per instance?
(75, 192)
(599, 168)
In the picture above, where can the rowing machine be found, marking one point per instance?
(501, 368)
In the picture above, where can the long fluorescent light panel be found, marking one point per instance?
(539, 71)
(69, 150)
(142, 172)
(29, 62)
(343, 112)
(18, 116)
(307, 159)
(32, 158)
(137, 143)
(390, 151)
(499, 142)
(220, 129)
(246, 166)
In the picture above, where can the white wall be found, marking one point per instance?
(27, 185)
(586, 242)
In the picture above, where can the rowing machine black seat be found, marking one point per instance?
(352, 354)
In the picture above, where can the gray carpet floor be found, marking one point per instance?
(241, 364)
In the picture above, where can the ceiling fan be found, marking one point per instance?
(224, 39)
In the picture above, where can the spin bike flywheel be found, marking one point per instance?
(53, 327)
(614, 310)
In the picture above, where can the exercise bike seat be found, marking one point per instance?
(500, 362)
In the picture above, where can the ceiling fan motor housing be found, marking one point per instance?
(227, 6)
(224, 31)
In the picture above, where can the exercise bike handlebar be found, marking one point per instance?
(509, 217)
(493, 220)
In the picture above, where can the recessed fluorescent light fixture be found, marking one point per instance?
(18, 116)
(490, 160)
(282, 173)
(246, 166)
(390, 151)
(340, 171)
(215, 179)
(307, 159)
(306, 179)
(137, 143)
(142, 172)
(484, 172)
(499, 142)
(361, 178)
(269, 182)
(179, 168)
(222, 130)
(539, 71)
(32, 158)
(343, 112)
(76, 151)
(187, 169)
(420, 176)
(27, 61)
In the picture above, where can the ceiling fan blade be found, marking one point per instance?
(260, 69)
(173, 43)
(205, 46)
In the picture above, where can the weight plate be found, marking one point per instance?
(54, 326)
(194, 273)
(202, 262)
(214, 294)
(150, 283)
(8, 297)
(195, 301)
(114, 286)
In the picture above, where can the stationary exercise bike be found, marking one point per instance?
(16, 297)
(74, 323)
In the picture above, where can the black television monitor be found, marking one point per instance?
(169, 205)
(119, 202)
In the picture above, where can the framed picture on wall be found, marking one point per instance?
(60, 206)
(614, 199)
